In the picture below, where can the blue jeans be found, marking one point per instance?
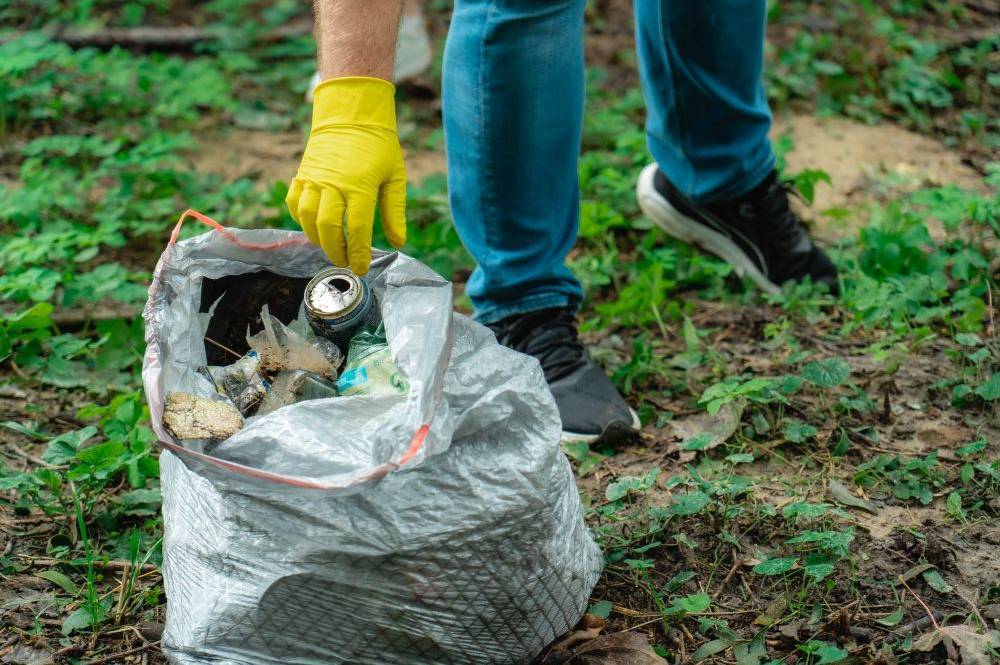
(513, 115)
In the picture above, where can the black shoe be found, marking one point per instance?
(757, 233)
(590, 407)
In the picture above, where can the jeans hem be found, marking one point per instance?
(745, 184)
(494, 313)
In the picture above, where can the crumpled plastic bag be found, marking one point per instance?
(441, 525)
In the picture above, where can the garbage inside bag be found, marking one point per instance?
(294, 386)
(339, 304)
(442, 525)
(369, 369)
(281, 348)
(188, 416)
(240, 382)
(277, 351)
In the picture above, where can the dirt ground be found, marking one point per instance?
(868, 161)
(864, 162)
(267, 157)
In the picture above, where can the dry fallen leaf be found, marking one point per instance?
(974, 647)
(626, 648)
(774, 611)
(841, 494)
(24, 654)
(717, 429)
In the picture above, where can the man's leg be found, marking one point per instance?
(701, 65)
(513, 117)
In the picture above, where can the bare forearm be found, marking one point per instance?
(357, 37)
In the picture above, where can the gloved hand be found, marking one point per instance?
(353, 158)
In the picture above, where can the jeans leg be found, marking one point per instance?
(513, 117)
(701, 65)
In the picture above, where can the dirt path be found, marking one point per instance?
(864, 162)
(267, 157)
(867, 163)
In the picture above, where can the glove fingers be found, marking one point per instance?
(392, 201)
(330, 226)
(292, 199)
(360, 218)
(307, 209)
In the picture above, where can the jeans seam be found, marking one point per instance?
(682, 122)
(488, 170)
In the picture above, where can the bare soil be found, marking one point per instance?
(267, 157)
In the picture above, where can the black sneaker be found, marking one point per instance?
(589, 405)
(758, 233)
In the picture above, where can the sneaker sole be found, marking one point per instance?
(675, 223)
(615, 433)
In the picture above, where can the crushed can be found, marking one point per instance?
(338, 304)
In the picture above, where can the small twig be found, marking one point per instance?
(922, 603)
(113, 564)
(627, 612)
(125, 629)
(69, 649)
(729, 575)
(120, 605)
(28, 456)
(30, 519)
(18, 370)
(121, 654)
(989, 307)
(678, 639)
(646, 623)
(222, 346)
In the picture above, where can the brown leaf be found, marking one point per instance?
(626, 648)
(721, 426)
(841, 494)
(791, 630)
(24, 654)
(974, 647)
(774, 611)
(151, 631)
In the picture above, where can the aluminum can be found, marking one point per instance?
(338, 304)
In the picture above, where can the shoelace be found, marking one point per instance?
(549, 335)
(786, 230)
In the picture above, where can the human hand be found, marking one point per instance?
(352, 159)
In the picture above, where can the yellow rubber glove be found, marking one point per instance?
(353, 158)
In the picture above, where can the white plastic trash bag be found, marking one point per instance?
(438, 526)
